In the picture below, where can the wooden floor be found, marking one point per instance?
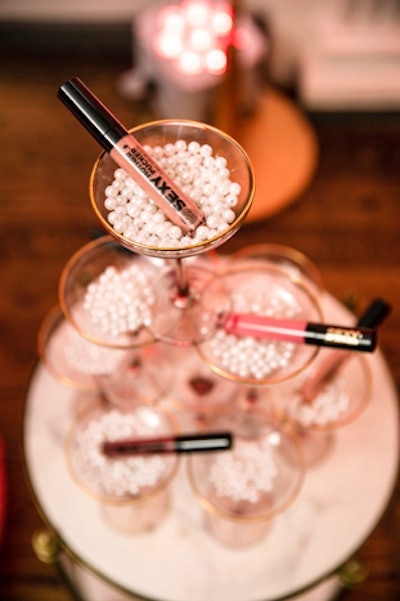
(347, 221)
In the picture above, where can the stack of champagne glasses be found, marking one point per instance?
(185, 360)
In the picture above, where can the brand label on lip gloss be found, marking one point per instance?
(146, 166)
(143, 164)
(338, 335)
(172, 197)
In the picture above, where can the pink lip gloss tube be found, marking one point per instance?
(301, 332)
(130, 155)
(187, 443)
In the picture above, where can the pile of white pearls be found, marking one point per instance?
(328, 406)
(255, 358)
(110, 477)
(201, 176)
(118, 302)
(86, 357)
(244, 473)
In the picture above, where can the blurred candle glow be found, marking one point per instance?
(195, 35)
(196, 13)
(168, 46)
(190, 62)
(201, 40)
(216, 61)
(222, 20)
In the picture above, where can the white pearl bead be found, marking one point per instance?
(180, 145)
(205, 150)
(120, 174)
(228, 216)
(193, 147)
(110, 203)
(220, 162)
(169, 149)
(209, 162)
(111, 191)
(157, 151)
(235, 188)
(133, 210)
(111, 217)
(223, 173)
(202, 232)
(231, 200)
(212, 221)
(223, 187)
(175, 232)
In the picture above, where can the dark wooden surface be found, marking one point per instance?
(347, 221)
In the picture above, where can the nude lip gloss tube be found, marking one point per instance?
(301, 332)
(188, 443)
(129, 154)
(373, 316)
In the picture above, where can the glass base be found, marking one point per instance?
(138, 516)
(235, 534)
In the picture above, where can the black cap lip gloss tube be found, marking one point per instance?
(186, 443)
(373, 316)
(301, 332)
(126, 151)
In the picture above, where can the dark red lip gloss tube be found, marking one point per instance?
(188, 443)
(130, 155)
(301, 332)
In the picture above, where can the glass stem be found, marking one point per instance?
(182, 285)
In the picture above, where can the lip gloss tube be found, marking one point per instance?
(301, 332)
(126, 151)
(188, 443)
(373, 316)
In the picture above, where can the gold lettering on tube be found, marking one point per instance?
(338, 335)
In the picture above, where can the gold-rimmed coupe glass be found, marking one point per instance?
(262, 290)
(132, 490)
(315, 408)
(73, 360)
(284, 257)
(105, 291)
(243, 489)
(176, 314)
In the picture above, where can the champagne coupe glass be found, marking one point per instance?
(314, 408)
(124, 376)
(215, 172)
(284, 257)
(106, 293)
(132, 490)
(73, 360)
(242, 489)
(261, 290)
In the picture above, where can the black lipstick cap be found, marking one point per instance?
(91, 112)
(375, 313)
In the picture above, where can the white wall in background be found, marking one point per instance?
(290, 20)
(86, 11)
(286, 11)
(342, 75)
